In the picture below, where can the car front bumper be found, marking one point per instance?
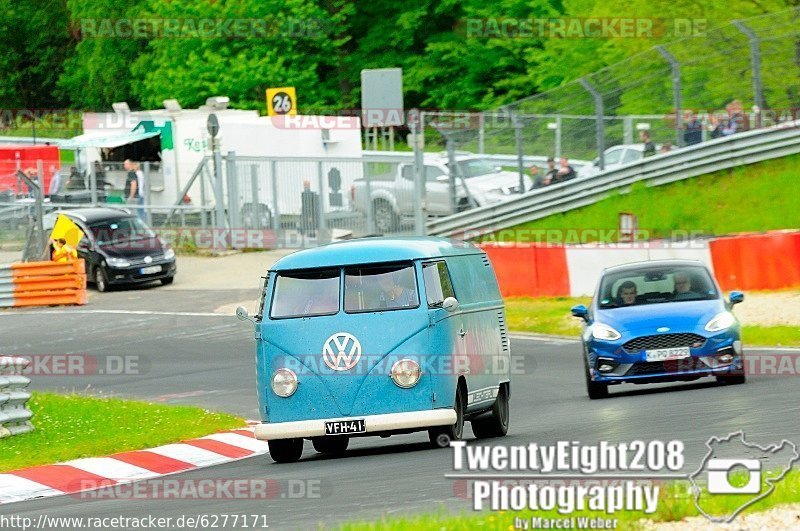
(133, 275)
(374, 424)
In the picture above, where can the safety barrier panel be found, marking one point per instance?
(757, 261)
(526, 270)
(15, 417)
(42, 284)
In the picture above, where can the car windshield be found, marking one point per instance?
(120, 230)
(475, 167)
(306, 294)
(379, 288)
(656, 284)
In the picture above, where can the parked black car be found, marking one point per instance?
(119, 248)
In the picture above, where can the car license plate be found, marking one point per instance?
(345, 427)
(150, 270)
(664, 354)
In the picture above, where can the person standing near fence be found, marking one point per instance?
(141, 187)
(131, 183)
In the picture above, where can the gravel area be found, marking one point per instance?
(780, 518)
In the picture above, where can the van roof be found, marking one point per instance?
(374, 250)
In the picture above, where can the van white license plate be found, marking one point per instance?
(345, 427)
(150, 270)
(664, 354)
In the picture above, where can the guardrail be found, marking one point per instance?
(719, 154)
(15, 417)
(42, 284)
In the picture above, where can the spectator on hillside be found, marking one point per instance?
(540, 179)
(565, 171)
(737, 121)
(692, 129)
(716, 125)
(666, 147)
(552, 172)
(649, 147)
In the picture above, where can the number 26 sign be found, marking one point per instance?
(281, 101)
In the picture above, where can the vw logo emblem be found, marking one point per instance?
(341, 351)
(662, 329)
(148, 259)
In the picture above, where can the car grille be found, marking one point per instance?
(664, 341)
(669, 367)
(140, 261)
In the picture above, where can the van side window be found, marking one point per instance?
(437, 283)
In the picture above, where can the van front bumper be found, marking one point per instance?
(374, 423)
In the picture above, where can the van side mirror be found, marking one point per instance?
(736, 297)
(580, 311)
(241, 313)
(450, 304)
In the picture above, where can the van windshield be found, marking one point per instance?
(306, 294)
(379, 288)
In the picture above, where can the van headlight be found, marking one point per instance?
(284, 382)
(405, 373)
(604, 332)
(721, 321)
(117, 262)
(169, 254)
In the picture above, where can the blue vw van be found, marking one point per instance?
(380, 336)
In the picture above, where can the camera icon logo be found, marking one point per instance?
(725, 476)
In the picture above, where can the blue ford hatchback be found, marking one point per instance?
(379, 336)
(659, 321)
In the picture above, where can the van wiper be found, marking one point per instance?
(437, 304)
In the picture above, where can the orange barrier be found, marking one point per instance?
(43, 284)
(757, 261)
(525, 270)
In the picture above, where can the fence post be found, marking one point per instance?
(321, 202)
(482, 134)
(676, 93)
(218, 193)
(558, 137)
(276, 211)
(451, 160)
(419, 180)
(234, 205)
(370, 216)
(515, 120)
(600, 126)
(755, 65)
(148, 213)
(93, 184)
(627, 129)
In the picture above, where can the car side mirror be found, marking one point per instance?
(450, 304)
(736, 297)
(580, 311)
(241, 313)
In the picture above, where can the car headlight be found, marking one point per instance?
(117, 262)
(284, 382)
(405, 373)
(169, 254)
(721, 321)
(604, 332)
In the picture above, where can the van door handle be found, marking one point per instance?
(462, 332)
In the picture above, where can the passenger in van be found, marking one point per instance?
(393, 294)
(626, 293)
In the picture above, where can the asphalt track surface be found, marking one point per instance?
(188, 355)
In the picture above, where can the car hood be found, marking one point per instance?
(133, 249)
(680, 316)
(504, 180)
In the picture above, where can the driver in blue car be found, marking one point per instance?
(626, 293)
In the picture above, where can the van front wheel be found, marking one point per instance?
(441, 436)
(497, 424)
(285, 450)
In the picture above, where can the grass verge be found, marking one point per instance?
(674, 504)
(551, 315)
(75, 426)
(695, 204)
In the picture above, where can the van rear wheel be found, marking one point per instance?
(441, 436)
(331, 445)
(285, 450)
(497, 424)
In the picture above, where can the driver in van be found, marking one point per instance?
(393, 294)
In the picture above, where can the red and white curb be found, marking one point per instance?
(92, 473)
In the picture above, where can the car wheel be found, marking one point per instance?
(736, 378)
(497, 424)
(331, 445)
(385, 218)
(595, 390)
(100, 280)
(167, 281)
(285, 450)
(441, 436)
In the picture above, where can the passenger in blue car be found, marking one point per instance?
(626, 293)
